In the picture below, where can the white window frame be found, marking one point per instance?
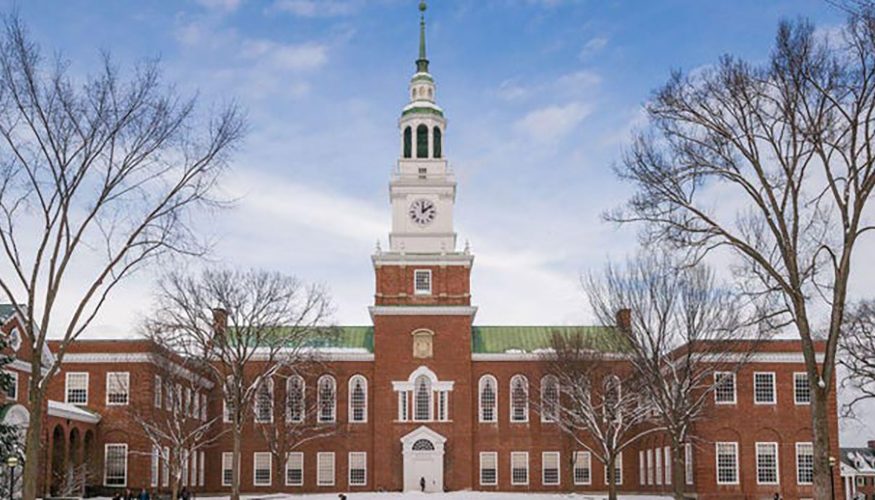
(642, 468)
(157, 396)
(329, 456)
(558, 467)
(416, 289)
(494, 456)
(364, 383)
(125, 377)
(549, 412)
(255, 457)
(67, 387)
(618, 465)
(155, 467)
(667, 465)
(777, 462)
(734, 388)
(717, 445)
(165, 468)
(578, 456)
(202, 468)
(364, 457)
(299, 455)
(480, 386)
(796, 401)
(688, 463)
(269, 384)
(302, 403)
(510, 396)
(13, 384)
(658, 474)
(403, 406)
(798, 469)
(106, 448)
(228, 456)
(319, 400)
(513, 480)
(650, 467)
(774, 400)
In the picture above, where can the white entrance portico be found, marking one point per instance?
(423, 451)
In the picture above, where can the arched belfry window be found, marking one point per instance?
(408, 142)
(437, 142)
(422, 141)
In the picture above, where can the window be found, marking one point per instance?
(115, 465)
(168, 396)
(422, 141)
(403, 406)
(436, 137)
(422, 399)
(423, 445)
(187, 401)
(764, 388)
(667, 453)
(264, 401)
(519, 468)
(519, 399)
(422, 282)
(724, 388)
(649, 466)
(804, 463)
(155, 466)
(15, 340)
(295, 399)
(358, 399)
(261, 465)
(117, 388)
(202, 467)
(77, 388)
(358, 468)
(325, 469)
(767, 463)
(618, 470)
(488, 468)
(582, 467)
(157, 396)
(801, 389)
(184, 460)
(408, 142)
(613, 397)
(727, 463)
(295, 469)
(196, 410)
(327, 403)
(550, 468)
(642, 468)
(12, 390)
(204, 407)
(165, 469)
(442, 406)
(657, 476)
(549, 399)
(688, 463)
(227, 469)
(488, 395)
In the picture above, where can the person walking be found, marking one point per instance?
(422, 484)
(144, 495)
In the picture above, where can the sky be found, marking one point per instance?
(541, 98)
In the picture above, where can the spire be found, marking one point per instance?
(422, 62)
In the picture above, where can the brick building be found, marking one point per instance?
(423, 395)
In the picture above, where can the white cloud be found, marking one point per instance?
(288, 57)
(593, 46)
(553, 123)
(316, 8)
(220, 5)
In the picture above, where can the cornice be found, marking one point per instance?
(423, 311)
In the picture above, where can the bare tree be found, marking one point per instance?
(246, 327)
(680, 329)
(788, 145)
(857, 348)
(598, 404)
(101, 176)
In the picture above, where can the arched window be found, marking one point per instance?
(549, 399)
(436, 137)
(488, 399)
(327, 402)
(264, 401)
(423, 445)
(295, 399)
(408, 142)
(519, 399)
(422, 141)
(422, 399)
(358, 399)
(612, 397)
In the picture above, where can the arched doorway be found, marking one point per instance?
(423, 451)
(59, 462)
(75, 474)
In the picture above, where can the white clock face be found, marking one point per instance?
(422, 211)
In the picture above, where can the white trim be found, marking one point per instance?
(287, 469)
(480, 383)
(777, 462)
(350, 387)
(72, 412)
(734, 389)
(717, 445)
(106, 463)
(396, 259)
(349, 467)
(409, 384)
(422, 311)
(774, 400)
(495, 467)
(588, 467)
(271, 401)
(512, 481)
(558, 456)
(67, 387)
(125, 378)
(795, 398)
(803, 443)
(132, 357)
(229, 455)
(255, 456)
(19, 365)
(510, 400)
(423, 292)
(758, 357)
(319, 399)
(13, 375)
(319, 457)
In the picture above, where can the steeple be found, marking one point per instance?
(422, 62)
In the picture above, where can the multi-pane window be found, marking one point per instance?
(295, 399)
(358, 468)
(804, 463)
(767, 463)
(77, 388)
(801, 389)
(261, 464)
(642, 468)
(227, 469)
(724, 388)
(650, 466)
(327, 401)
(488, 468)
(618, 470)
(519, 399)
(764, 388)
(155, 466)
(403, 405)
(422, 282)
(519, 468)
(12, 390)
(264, 402)
(187, 401)
(442, 413)
(118, 388)
(325, 469)
(196, 410)
(727, 463)
(549, 399)
(165, 467)
(358, 399)
(168, 396)
(667, 452)
(688, 463)
(658, 474)
(422, 399)
(115, 465)
(550, 468)
(582, 467)
(204, 407)
(295, 469)
(202, 468)
(157, 398)
(488, 387)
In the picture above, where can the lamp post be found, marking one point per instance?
(832, 485)
(11, 462)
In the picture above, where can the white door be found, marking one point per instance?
(424, 467)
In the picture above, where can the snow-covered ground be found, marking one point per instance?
(456, 495)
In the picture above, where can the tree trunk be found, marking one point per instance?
(174, 480)
(823, 487)
(678, 470)
(235, 462)
(612, 480)
(33, 438)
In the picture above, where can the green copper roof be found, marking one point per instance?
(422, 62)
(358, 337)
(501, 339)
(422, 110)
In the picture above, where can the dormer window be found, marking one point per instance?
(422, 282)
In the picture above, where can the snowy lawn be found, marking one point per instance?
(456, 495)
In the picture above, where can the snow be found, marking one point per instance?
(456, 495)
